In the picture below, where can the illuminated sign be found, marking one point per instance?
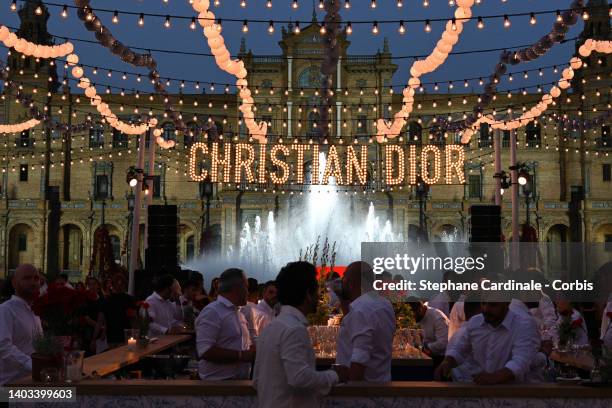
(343, 165)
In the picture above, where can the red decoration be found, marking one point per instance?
(61, 307)
(577, 323)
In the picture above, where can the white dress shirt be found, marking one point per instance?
(435, 330)
(18, 328)
(581, 334)
(440, 302)
(540, 360)
(512, 345)
(285, 366)
(163, 313)
(606, 326)
(263, 315)
(546, 316)
(221, 324)
(248, 312)
(456, 317)
(366, 336)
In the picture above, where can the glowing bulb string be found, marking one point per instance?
(391, 129)
(542, 46)
(181, 81)
(116, 13)
(312, 58)
(106, 39)
(576, 63)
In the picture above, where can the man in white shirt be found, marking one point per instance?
(499, 343)
(434, 324)
(564, 309)
(365, 341)
(19, 325)
(248, 310)
(265, 310)
(163, 310)
(222, 336)
(285, 371)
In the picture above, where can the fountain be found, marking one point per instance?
(324, 213)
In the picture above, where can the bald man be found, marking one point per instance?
(365, 340)
(19, 325)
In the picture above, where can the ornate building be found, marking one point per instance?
(57, 189)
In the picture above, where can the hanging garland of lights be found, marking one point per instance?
(585, 50)
(212, 31)
(106, 38)
(450, 37)
(556, 35)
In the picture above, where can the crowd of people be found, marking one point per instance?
(244, 329)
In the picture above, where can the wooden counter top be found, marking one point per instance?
(354, 389)
(396, 362)
(112, 360)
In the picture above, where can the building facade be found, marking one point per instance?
(571, 167)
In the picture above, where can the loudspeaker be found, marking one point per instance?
(162, 237)
(485, 223)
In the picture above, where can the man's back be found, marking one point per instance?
(285, 372)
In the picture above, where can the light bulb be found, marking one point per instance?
(13, 6)
(401, 28)
(373, 4)
(192, 25)
(559, 18)
(321, 4)
(349, 28)
(427, 26)
(115, 18)
(585, 14)
(506, 21)
(167, 22)
(347, 4)
(480, 23)
(269, 4)
(38, 11)
(271, 27)
(375, 28)
(65, 12)
(141, 20)
(245, 27)
(532, 19)
(400, 3)
(295, 4)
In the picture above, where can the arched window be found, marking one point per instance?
(116, 245)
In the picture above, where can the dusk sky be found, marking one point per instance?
(416, 41)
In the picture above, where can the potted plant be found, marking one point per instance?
(48, 353)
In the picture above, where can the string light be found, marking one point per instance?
(115, 18)
(400, 3)
(167, 22)
(243, 3)
(427, 26)
(271, 27)
(585, 14)
(532, 19)
(269, 3)
(347, 4)
(401, 28)
(349, 28)
(13, 6)
(321, 4)
(559, 18)
(192, 25)
(295, 4)
(245, 26)
(38, 11)
(375, 28)
(373, 4)
(64, 13)
(480, 23)
(506, 21)
(141, 20)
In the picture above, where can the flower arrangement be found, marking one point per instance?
(403, 315)
(567, 329)
(61, 308)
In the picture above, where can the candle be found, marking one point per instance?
(131, 343)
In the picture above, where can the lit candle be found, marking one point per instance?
(131, 343)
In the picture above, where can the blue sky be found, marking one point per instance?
(416, 41)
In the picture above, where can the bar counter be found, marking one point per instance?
(153, 393)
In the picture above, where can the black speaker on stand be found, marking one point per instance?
(485, 223)
(161, 255)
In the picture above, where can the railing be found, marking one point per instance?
(361, 60)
